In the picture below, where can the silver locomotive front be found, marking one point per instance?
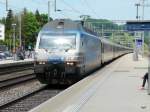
(57, 56)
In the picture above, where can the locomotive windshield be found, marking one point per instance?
(61, 42)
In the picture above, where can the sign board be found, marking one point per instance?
(138, 25)
(139, 43)
(2, 32)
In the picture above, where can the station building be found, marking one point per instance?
(2, 32)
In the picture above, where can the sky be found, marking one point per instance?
(100, 9)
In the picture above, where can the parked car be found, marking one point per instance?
(8, 55)
(5, 55)
(2, 56)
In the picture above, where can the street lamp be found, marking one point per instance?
(49, 11)
(137, 11)
(58, 10)
(55, 5)
(55, 9)
(85, 17)
(14, 40)
(20, 38)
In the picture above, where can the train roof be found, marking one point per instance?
(62, 24)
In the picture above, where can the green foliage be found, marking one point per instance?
(9, 20)
(111, 30)
(8, 24)
(41, 18)
(2, 42)
(147, 37)
(29, 28)
(38, 16)
(31, 24)
(2, 21)
(123, 38)
(102, 23)
(44, 19)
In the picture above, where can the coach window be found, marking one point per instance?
(82, 43)
(82, 40)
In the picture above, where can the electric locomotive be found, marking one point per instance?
(66, 51)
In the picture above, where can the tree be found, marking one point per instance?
(8, 24)
(30, 28)
(8, 27)
(2, 20)
(37, 15)
(44, 19)
(25, 11)
(41, 18)
(9, 20)
(31, 24)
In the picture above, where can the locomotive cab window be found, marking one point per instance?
(61, 42)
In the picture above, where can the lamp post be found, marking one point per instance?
(55, 5)
(148, 91)
(143, 9)
(49, 3)
(6, 5)
(14, 40)
(20, 38)
(56, 10)
(137, 11)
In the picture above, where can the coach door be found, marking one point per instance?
(83, 53)
(102, 52)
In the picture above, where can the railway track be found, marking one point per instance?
(10, 68)
(25, 99)
(32, 99)
(10, 75)
(20, 91)
(16, 77)
(29, 98)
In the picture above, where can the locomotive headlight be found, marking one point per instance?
(41, 62)
(72, 60)
(44, 63)
(70, 63)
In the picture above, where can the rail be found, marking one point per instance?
(14, 73)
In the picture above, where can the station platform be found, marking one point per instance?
(114, 88)
(13, 62)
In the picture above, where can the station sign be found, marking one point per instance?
(143, 25)
(139, 43)
(2, 32)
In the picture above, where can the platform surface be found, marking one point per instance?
(114, 88)
(13, 61)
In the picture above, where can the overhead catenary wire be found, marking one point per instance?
(41, 3)
(52, 4)
(2, 3)
(86, 7)
(64, 15)
(16, 9)
(69, 6)
(91, 9)
(73, 9)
